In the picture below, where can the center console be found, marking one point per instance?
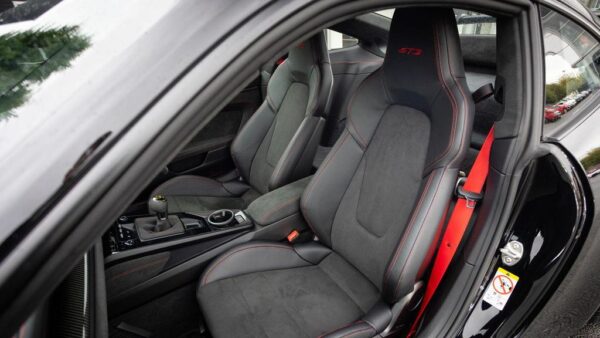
(136, 231)
(149, 254)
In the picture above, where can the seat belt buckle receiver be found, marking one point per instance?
(294, 234)
(472, 198)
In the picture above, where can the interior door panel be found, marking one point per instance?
(208, 153)
(210, 147)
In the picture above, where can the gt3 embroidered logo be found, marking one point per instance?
(410, 51)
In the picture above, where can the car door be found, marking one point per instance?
(541, 280)
(209, 149)
(538, 274)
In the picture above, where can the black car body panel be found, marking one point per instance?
(144, 71)
(549, 220)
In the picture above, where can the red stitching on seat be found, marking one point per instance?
(222, 259)
(309, 190)
(418, 233)
(448, 93)
(408, 229)
(361, 141)
(452, 134)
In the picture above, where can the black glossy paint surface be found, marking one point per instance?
(546, 225)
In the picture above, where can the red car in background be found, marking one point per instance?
(551, 114)
(561, 107)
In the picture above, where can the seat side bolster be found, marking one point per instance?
(252, 257)
(246, 143)
(278, 204)
(312, 252)
(296, 161)
(358, 329)
(379, 316)
(320, 200)
(191, 185)
(413, 253)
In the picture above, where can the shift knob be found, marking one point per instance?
(158, 205)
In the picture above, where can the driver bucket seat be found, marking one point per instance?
(376, 204)
(277, 144)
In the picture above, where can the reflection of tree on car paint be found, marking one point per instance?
(30, 57)
(591, 162)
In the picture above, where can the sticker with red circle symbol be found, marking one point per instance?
(498, 292)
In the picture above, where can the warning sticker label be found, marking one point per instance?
(500, 289)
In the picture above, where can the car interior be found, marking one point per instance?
(311, 204)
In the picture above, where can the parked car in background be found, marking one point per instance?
(551, 114)
(561, 108)
(593, 173)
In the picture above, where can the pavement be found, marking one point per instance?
(592, 329)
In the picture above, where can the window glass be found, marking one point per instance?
(337, 40)
(474, 23)
(388, 13)
(571, 56)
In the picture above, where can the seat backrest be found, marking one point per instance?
(379, 197)
(350, 66)
(277, 144)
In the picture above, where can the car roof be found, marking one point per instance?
(579, 8)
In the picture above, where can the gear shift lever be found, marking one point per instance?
(162, 224)
(158, 205)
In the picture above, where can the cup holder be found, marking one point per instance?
(220, 218)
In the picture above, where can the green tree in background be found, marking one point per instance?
(591, 159)
(565, 85)
(31, 56)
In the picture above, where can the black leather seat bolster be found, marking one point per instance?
(375, 321)
(299, 154)
(203, 186)
(358, 329)
(263, 256)
(248, 140)
(252, 257)
(312, 252)
(407, 264)
(277, 204)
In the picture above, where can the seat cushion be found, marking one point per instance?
(276, 290)
(197, 194)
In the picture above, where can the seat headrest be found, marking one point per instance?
(302, 57)
(423, 46)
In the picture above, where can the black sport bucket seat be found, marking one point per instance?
(279, 142)
(376, 204)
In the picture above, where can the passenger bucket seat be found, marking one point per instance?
(277, 144)
(376, 204)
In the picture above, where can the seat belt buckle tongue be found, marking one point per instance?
(471, 197)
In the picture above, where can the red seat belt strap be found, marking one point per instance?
(461, 215)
